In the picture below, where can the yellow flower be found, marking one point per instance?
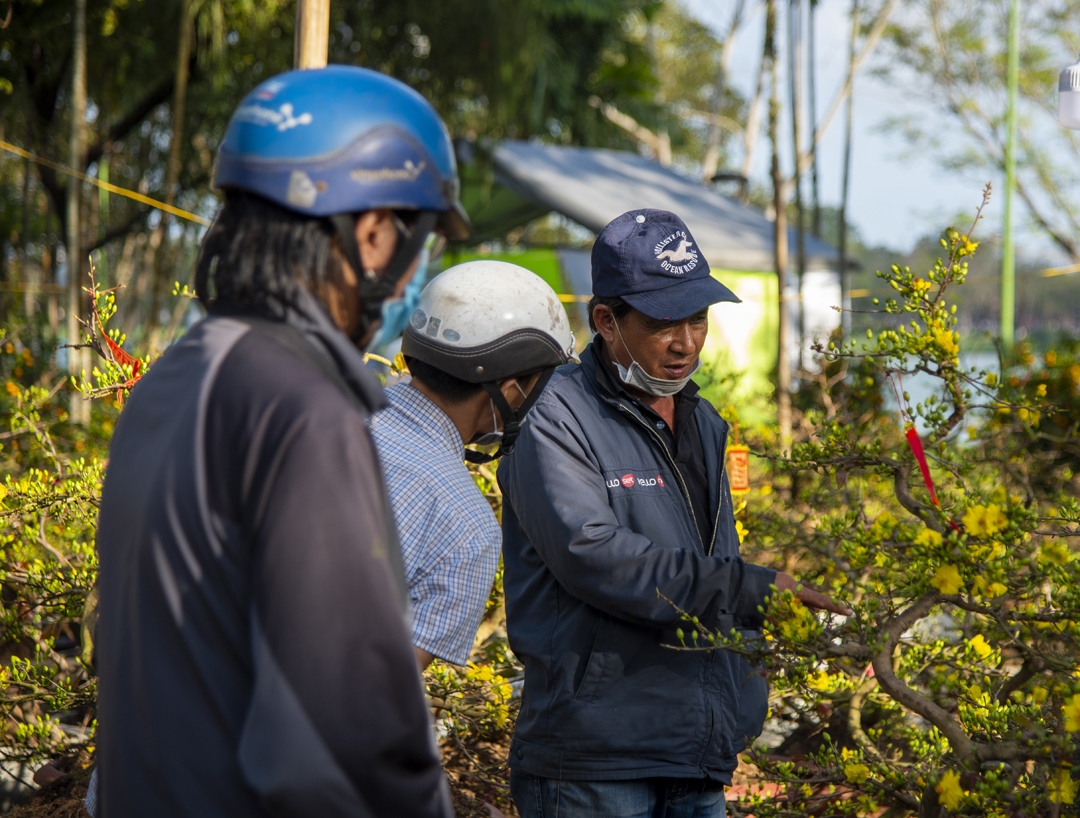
(856, 773)
(928, 537)
(947, 580)
(1039, 694)
(946, 339)
(740, 529)
(11, 389)
(884, 524)
(1062, 787)
(799, 624)
(819, 681)
(949, 790)
(1050, 358)
(979, 646)
(1056, 552)
(984, 521)
(967, 246)
(1071, 709)
(1040, 390)
(920, 286)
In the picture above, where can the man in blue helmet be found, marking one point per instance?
(253, 649)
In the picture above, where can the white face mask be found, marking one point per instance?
(496, 435)
(638, 378)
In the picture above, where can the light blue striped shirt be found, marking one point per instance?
(450, 539)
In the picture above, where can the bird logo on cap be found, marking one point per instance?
(678, 260)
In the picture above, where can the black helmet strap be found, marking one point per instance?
(374, 288)
(511, 418)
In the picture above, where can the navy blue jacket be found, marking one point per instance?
(596, 526)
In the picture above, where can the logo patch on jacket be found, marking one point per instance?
(629, 480)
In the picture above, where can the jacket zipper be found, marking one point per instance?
(676, 472)
(682, 485)
(720, 496)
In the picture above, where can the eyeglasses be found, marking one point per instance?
(405, 222)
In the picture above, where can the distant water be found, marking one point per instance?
(920, 386)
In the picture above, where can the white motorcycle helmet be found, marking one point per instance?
(484, 322)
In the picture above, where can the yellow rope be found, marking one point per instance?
(1050, 272)
(119, 191)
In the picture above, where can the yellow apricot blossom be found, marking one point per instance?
(1071, 709)
(946, 339)
(884, 524)
(986, 588)
(928, 537)
(920, 285)
(740, 529)
(949, 790)
(979, 646)
(984, 521)
(947, 579)
(1062, 788)
(856, 773)
(1056, 552)
(819, 681)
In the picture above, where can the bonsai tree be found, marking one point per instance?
(950, 527)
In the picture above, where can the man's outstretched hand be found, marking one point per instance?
(810, 597)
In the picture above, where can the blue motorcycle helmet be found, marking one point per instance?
(335, 142)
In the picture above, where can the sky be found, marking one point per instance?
(895, 197)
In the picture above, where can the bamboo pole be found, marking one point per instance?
(796, 77)
(76, 360)
(780, 244)
(1008, 249)
(845, 273)
(312, 44)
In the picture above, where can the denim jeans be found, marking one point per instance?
(644, 798)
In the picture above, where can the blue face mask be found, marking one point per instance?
(396, 312)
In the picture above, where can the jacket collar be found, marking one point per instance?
(308, 316)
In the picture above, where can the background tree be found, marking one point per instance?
(954, 53)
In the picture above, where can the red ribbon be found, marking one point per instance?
(915, 443)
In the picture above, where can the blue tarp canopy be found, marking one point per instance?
(592, 186)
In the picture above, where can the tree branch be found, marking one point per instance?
(119, 129)
(961, 744)
(119, 230)
(872, 39)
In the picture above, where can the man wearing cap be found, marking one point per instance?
(616, 513)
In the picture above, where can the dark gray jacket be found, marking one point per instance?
(596, 525)
(253, 652)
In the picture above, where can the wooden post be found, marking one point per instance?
(77, 361)
(780, 238)
(312, 42)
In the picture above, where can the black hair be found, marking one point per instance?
(257, 256)
(443, 384)
(619, 308)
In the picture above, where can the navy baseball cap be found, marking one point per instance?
(649, 259)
